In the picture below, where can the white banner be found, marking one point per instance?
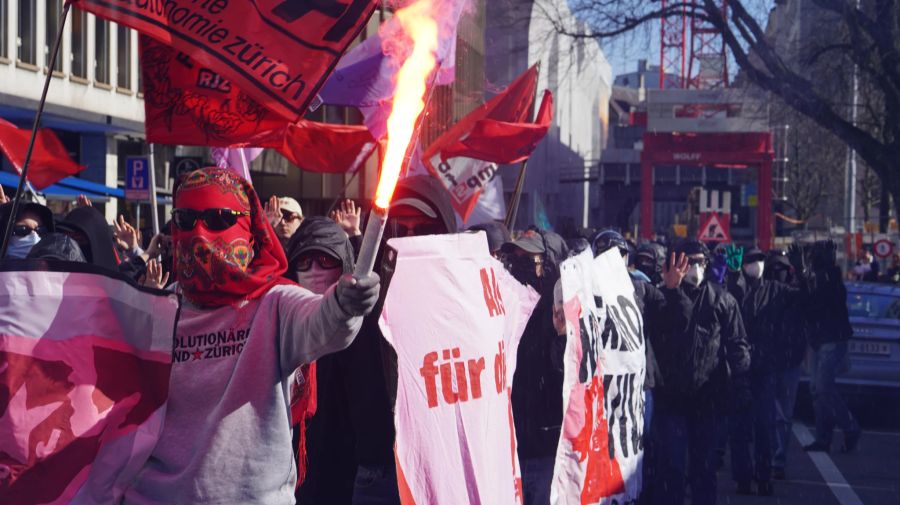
(454, 316)
(600, 453)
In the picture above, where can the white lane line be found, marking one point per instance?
(829, 471)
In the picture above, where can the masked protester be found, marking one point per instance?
(242, 332)
(318, 254)
(538, 379)
(89, 229)
(420, 206)
(32, 222)
(661, 304)
(697, 366)
(829, 328)
(764, 305)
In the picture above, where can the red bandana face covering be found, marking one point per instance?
(217, 268)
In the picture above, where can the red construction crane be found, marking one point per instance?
(692, 51)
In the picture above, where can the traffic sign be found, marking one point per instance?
(137, 178)
(714, 228)
(883, 248)
(186, 164)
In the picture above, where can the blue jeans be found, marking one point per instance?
(831, 410)
(786, 383)
(537, 475)
(755, 427)
(376, 485)
(685, 443)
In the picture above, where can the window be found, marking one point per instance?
(4, 30)
(123, 63)
(79, 44)
(26, 40)
(54, 9)
(101, 52)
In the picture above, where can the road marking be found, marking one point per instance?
(829, 471)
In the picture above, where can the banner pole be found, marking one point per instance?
(517, 195)
(34, 130)
(154, 215)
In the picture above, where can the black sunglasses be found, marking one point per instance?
(214, 219)
(289, 216)
(323, 260)
(21, 230)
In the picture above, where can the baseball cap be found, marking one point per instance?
(289, 204)
(533, 244)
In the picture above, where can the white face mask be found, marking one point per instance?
(754, 270)
(694, 275)
(318, 279)
(19, 247)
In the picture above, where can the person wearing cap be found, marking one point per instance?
(764, 305)
(285, 216)
(497, 235)
(32, 222)
(696, 365)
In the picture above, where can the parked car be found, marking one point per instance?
(875, 345)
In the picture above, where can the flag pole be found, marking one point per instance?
(154, 215)
(34, 129)
(517, 195)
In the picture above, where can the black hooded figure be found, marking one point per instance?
(20, 245)
(420, 206)
(331, 466)
(57, 246)
(88, 227)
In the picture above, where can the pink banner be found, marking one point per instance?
(456, 355)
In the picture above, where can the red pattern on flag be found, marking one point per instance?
(279, 51)
(50, 161)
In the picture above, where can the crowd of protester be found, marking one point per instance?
(728, 332)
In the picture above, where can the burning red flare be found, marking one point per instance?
(420, 26)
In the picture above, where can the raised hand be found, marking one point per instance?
(734, 257)
(3, 197)
(273, 210)
(82, 201)
(126, 236)
(154, 277)
(675, 270)
(348, 217)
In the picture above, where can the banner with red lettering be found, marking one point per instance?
(600, 453)
(456, 355)
(279, 51)
(50, 162)
(84, 379)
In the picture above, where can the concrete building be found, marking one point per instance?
(558, 186)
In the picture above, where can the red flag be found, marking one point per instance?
(278, 51)
(504, 142)
(50, 161)
(84, 379)
(499, 131)
(188, 104)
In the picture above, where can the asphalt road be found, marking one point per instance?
(868, 476)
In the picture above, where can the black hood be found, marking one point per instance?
(93, 225)
(319, 233)
(557, 250)
(431, 191)
(57, 246)
(45, 213)
(497, 234)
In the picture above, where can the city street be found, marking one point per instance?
(869, 476)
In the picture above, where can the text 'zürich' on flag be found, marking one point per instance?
(84, 379)
(186, 103)
(456, 356)
(279, 51)
(499, 131)
(600, 453)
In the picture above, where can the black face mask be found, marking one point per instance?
(522, 268)
(649, 270)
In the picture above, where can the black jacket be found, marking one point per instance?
(696, 363)
(827, 317)
(660, 308)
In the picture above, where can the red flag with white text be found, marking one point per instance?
(50, 161)
(84, 375)
(279, 51)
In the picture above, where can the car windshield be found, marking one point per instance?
(873, 305)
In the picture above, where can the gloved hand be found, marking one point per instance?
(357, 297)
(734, 257)
(743, 396)
(797, 258)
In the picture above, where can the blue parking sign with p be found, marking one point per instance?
(137, 179)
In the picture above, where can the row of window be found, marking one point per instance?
(75, 47)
